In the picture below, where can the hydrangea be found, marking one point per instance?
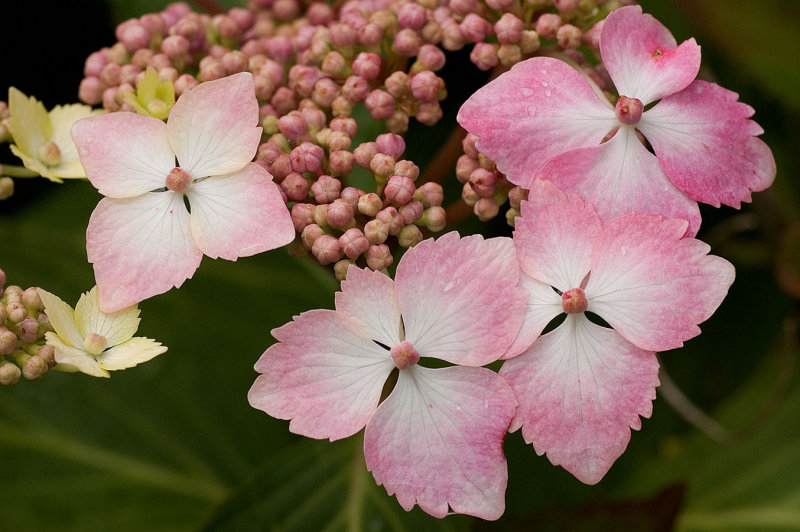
(142, 238)
(92, 341)
(582, 386)
(437, 439)
(544, 119)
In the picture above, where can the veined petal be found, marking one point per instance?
(554, 236)
(76, 358)
(62, 117)
(368, 298)
(239, 214)
(124, 154)
(28, 121)
(706, 144)
(62, 318)
(643, 58)
(581, 389)
(116, 327)
(130, 353)
(621, 177)
(323, 374)
(653, 286)
(437, 441)
(542, 306)
(140, 247)
(540, 108)
(213, 127)
(459, 298)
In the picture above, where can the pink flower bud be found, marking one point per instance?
(429, 194)
(133, 35)
(31, 299)
(464, 167)
(406, 168)
(184, 83)
(15, 311)
(321, 215)
(326, 249)
(188, 27)
(407, 42)
(370, 35)
(244, 18)
(94, 63)
(212, 71)
(379, 257)
(569, 37)
(411, 15)
(566, 6)
(399, 189)
(369, 204)
(354, 243)
(283, 100)
(355, 89)
(91, 90)
(509, 29)
(367, 65)
(302, 216)
(285, 10)
(295, 186)
(452, 37)
(509, 54)
(351, 195)
(409, 236)
(320, 14)
(411, 211)
(341, 106)
(397, 84)
(431, 57)
(475, 28)
(483, 182)
(281, 167)
(462, 7)
(516, 196)
(235, 61)
(325, 91)
(9, 374)
(227, 27)
(500, 5)
(390, 144)
(434, 219)
(382, 165)
(326, 189)
(380, 104)
(345, 124)
(592, 37)
(110, 99)
(175, 46)
(334, 63)
(303, 78)
(398, 122)
(429, 113)
(425, 86)
(48, 354)
(432, 33)
(469, 195)
(8, 341)
(110, 75)
(338, 141)
(340, 162)
(484, 56)
(486, 209)
(310, 234)
(340, 213)
(159, 61)
(141, 57)
(364, 153)
(391, 217)
(34, 368)
(547, 25)
(29, 330)
(376, 232)
(307, 157)
(341, 267)
(129, 73)
(279, 48)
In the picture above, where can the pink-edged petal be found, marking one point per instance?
(437, 441)
(653, 286)
(324, 374)
(540, 108)
(459, 298)
(621, 177)
(124, 154)
(555, 235)
(239, 214)
(706, 144)
(140, 247)
(643, 58)
(368, 297)
(213, 127)
(581, 388)
(542, 306)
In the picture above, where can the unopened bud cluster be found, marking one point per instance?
(315, 66)
(23, 324)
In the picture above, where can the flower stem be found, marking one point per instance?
(12, 170)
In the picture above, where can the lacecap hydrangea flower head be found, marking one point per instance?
(582, 386)
(141, 238)
(437, 439)
(543, 119)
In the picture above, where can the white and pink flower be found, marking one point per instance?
(543, 119)
(582, 386)
(437, 439)
(141, 238)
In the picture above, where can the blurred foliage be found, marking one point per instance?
(173, 444)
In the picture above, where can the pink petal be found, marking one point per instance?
(706, 144)
(541, 108)
(140, 247)
(621, 177)
(124, 154)
(323, 374)
(437, 440)
(368, 297)
(643, 58)
(653, 286)
(554, 236)
(581, 389)
(542, 306)
(239, 214)
(459, 298)
(213, 127)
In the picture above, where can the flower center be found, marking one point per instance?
(574, 301)
(629, 110)
(404, 355)
(49, 154)
(94, 344)
(178, 180)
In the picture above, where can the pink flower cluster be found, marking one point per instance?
(614, 243)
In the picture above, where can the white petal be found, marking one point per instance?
(130, 353)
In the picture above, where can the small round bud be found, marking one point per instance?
(429, 194)
(6, 191)
(569, 37)
(399, 189)
(28, 330)
(310, 234)
(340, 213)
(483, 182)
(486, 209)
(411, 15)
(326, 249)
(34, 368)
(431, 57)
(346, 125)
(629, 110)
(407, 42)
(434, 219)
(302, 216)
(379, 257)
(307, 157)
(516, 196)
(354, 243)
(484, 56)
(48, 354)
(409, 236)
(404, 355)
(509, 29)
(511, 216)
(390, 144)
(9, 373)
(341, 267)
(382, 165)
(364, 153)
(355, 89)
(8, 341)
(50, 154)
(425, 86)
(411, 211)
(464, 167)
(574, 301)
(380, 104)
(397, 84)
(547, 25)
(340, 162)
(391, 217)
(15, 311)
(509, 54)
(90, 90)
(369, 204)
(375, 230)
(429, 113)
(326, 189)
(475, 28)
(295, 186)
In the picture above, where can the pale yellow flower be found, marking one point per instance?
(92, 341)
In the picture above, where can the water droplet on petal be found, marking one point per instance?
(526, 92)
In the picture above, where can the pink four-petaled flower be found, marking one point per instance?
(582, 386)
(437, 439)
(543, 119)
(141, 237)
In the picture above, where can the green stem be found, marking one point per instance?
(12, 170)
(355, 499)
